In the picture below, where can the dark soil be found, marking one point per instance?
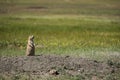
(64, 65)
(37, 7)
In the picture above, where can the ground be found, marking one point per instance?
(71, 68)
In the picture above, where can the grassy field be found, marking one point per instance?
(88, 28)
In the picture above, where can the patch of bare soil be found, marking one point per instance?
(58, 65)
(36, 7)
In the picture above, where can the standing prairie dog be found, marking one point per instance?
(30, 47)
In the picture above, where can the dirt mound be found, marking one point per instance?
(63, 65)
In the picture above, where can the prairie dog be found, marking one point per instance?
(30, 51)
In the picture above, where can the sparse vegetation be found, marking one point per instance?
(55, 67)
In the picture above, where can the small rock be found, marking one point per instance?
(67, 56)
(81, 70)
(53, 72)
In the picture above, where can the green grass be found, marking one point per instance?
(36, 77)
(60, 35)
(86, 28)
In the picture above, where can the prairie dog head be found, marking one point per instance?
(31, 38)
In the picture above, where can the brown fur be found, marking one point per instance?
(30, 51)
